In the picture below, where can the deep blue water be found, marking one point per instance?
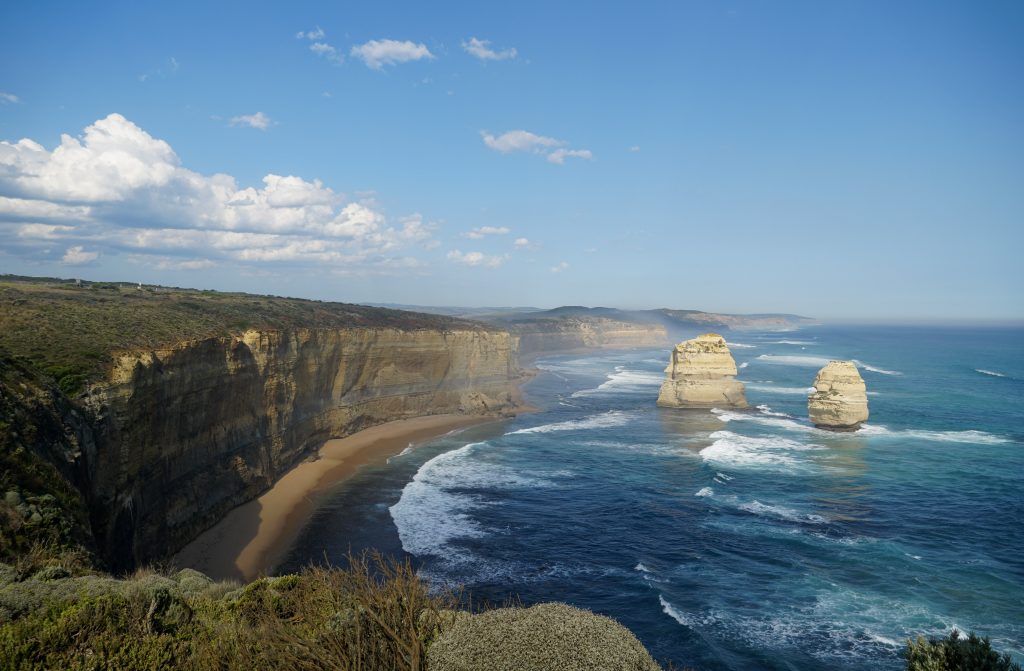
(733, 540)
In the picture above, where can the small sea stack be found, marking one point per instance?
(840, 399)
(702, 374)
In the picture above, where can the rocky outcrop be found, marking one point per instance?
(840, 400)
(569, 333)
(186, 433)
(701, 374)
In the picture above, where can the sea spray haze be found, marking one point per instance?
(734, 539)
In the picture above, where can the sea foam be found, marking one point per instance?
(778, 454)
(602, 421)
(768, 389)
(624, 381)
(989, 372)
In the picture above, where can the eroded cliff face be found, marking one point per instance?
(701, 374)
(188, 432)
(568, 333)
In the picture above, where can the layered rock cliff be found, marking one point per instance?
(840, 400)
(569, 333)
(186, 433)
(701, 374)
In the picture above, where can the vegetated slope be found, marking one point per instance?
(69, 331)
(41, 510)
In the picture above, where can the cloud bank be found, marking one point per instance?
(118, 190)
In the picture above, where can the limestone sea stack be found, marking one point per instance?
(702, 374)
(840, 399)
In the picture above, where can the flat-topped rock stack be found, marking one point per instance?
(702, 374)
(840, 399)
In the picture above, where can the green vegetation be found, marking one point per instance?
(42, 514)
(374, 615)
(545, 636)
(956, 653)
(69, 330)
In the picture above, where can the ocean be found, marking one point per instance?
(731, 539)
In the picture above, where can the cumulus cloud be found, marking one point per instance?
(327, 52)
(475, 259)
(259, 121)
(525, 141)
(378, 53)
(76, 256)
(315, 34)
(564, 265)
(521, 243)
(320, 47)
(481, 49)
(8, 98)
(518, 140)
(635, 148)
(478, 233)
(117, 189)
(559, 155)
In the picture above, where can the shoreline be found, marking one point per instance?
(253, 538)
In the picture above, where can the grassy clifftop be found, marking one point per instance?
(69, 330)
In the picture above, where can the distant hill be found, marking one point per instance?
(675, 321)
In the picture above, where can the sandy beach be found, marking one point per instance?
(253, 537)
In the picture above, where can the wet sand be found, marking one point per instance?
(254, 537)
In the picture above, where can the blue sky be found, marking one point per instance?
(845, 160)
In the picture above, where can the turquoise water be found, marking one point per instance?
(733, 539)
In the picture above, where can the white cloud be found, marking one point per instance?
(315, 34)
(117, 189)
(259, 120)
(76, 256)
(521, 243)
(481, 49)
(560, 267)
(559, 155)
(475, 259)
(478, 233)
(518, 140)
(523, 140)
(378, 53)
(635, 147)
(327, 52)
(8, 98)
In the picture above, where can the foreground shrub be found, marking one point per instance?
(376, 614)
(545, 637)
(954, 653)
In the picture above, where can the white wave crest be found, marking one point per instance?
(802, 391)
(404, 452)
(705, 491)
(744, 364)
(968, 436)
(795, 360)
(989, 372)
(625, 381)
(794, 342)
(776, 419)
(739, 345)
(875, 369)
(779, 454)
(434, 507)
(788, 514)
(677, 615)
(602, 421)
